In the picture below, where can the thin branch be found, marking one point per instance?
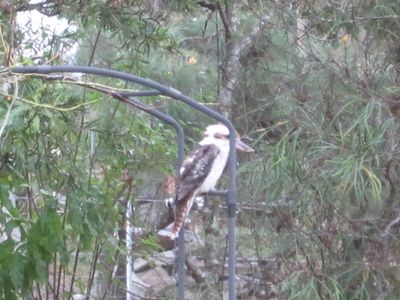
(96, 43)
(7, 117)
(195, 271)
(246, 43)
(391, 224)
(71, 286)
(48, 106)
(358, 19)
(92, 272)
(225, 21)
(48, 8)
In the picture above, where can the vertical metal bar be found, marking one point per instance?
(181, 264)
(128, 241)
(181, 237)
(232, 215)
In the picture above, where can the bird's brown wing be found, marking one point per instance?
(194, 171)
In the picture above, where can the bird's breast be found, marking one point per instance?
(215, 173)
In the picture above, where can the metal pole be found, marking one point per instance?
(173, 93)
(181, 264)
(128, 241)
(231, 201)
(181, 148)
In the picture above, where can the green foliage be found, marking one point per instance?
(67, 166)
(329, 137)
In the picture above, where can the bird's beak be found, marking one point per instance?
(243, 147)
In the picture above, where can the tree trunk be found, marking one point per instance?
(235, 51)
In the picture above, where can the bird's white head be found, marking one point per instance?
(218, 134)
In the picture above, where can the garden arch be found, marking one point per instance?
(156, 88)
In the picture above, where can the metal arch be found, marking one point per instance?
(141, 93)
(181, 144)
(171, 121)
(173, 93)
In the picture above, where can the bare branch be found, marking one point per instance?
(48, 7)
(253, 36)
(195, 271)
(225, 22)
(391, 224)
(10, 107)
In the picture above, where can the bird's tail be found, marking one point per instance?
(182, 207)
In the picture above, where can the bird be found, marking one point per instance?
(202, 169)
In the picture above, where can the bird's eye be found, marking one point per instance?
(221, 136)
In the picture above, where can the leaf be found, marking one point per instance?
(36, 124)
(17, 271)
(6, 250)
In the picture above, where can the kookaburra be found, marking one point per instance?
(201, 170)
